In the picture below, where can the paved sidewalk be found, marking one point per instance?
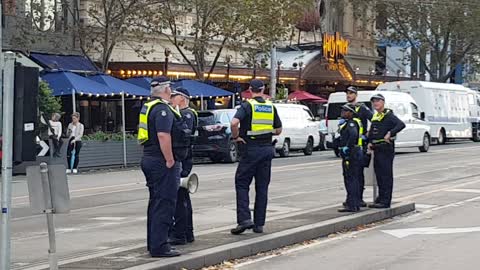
(216, 247)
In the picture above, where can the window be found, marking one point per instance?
(415, 112)
(308, 114)
(334, 111)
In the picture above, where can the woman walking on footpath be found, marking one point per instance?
(74, 133)
(55, 134)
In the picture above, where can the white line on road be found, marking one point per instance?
(464, 190)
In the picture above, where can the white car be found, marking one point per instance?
(416, 133)
(300, 130)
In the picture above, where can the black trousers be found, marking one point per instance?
(256, 161)
(383, 166)
(77, 146)
(352, 171)
(183, 227)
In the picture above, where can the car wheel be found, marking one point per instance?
(285, 151)
(426, 143)
(442, 137)
(309, 148)
(232, 155)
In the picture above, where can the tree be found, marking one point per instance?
(441, 33)
(202, 28)
(47, 103)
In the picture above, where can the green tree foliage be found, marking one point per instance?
(47, 103)
(446, 30)
(202, 28)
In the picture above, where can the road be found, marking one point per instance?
(109, 207)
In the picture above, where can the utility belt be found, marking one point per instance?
(382, 141)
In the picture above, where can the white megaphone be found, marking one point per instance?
(190, 183)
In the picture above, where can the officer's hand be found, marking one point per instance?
(345, 150)
(170, 163)
(370, 147)
(240, 140)
(388, 137)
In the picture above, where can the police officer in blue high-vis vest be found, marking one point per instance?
(259, 121)
(182, 232)
(351, 151)
(164, 136)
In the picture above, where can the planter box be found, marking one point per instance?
(108, 153)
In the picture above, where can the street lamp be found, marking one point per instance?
(165, 66)
(279, 66)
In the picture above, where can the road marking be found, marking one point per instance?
(109, 218)
(425, 206)
(402, 233)
(464, 190)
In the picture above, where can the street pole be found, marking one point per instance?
(124, 132)
(7, 148)
(273, 72)
(52, 251)
(1, 69)
(74, 101)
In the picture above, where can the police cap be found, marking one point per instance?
(180, 91)
(352, 89)
(348, 108)
(257, 85)
(377, 97)
(162, 80)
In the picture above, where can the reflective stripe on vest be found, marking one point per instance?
(360, 130)
(262, 118)
(378, 117)
(143, 119)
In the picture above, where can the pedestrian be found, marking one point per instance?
(162, 133)
(385, 126)
(182, 232)
(74, 133)
(259, 121)
(55, 133)
(365, 115)
(351, 151)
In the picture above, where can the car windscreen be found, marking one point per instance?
(335, 110)
(206, 119)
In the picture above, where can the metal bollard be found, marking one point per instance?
(52, 256)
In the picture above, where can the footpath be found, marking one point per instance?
(214, 248)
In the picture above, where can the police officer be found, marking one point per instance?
(364, 114)
(385, 126)
(160, 132)
(351, 151)
(182, 232)
(258, 120)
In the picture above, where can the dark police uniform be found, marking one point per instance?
(351, 150)
(258, 119)
(183, 228)
(384, 152)
(364, 114)
(162, 182)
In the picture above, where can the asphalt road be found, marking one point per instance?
(108, 208)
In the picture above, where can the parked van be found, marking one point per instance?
(300, 130)
(449, 108)
(416, 133)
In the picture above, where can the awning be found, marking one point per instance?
(25, 61)
(248, 94)
(143, 82)
(64, 62)
(306, 96)
(118, 86)
(64, 82)
(199, 89)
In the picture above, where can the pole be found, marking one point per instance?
(7, 148)
(233, 101)
(124, 132)
(74, 101)
(273, 72)
(52, 251)
(201, 102)
(1, 69)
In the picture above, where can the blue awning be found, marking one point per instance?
(64, 82)
(119, 86)
(198, 89)
(64, 62)
(143, 82)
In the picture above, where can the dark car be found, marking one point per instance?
(214, 137)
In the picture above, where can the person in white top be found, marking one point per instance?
(74, 133)
(55, 133)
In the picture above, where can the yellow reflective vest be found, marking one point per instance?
(360, 130)
(262, 118)
(143, 119)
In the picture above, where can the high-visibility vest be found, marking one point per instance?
(360, 130)
(378, 117)
(143, 119)
(262, 118)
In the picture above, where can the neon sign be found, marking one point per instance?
(334, 46)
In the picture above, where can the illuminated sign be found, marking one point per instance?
(334, 46)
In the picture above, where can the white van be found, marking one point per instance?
(300, 130)
(416, 132)
(449, 108)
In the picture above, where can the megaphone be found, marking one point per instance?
(190, 183)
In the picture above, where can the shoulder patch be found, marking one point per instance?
(189, 116)
(164, 113)
(352, 124)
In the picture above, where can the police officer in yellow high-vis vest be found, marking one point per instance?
(351, 151)
(163, 134)
(259, 121)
